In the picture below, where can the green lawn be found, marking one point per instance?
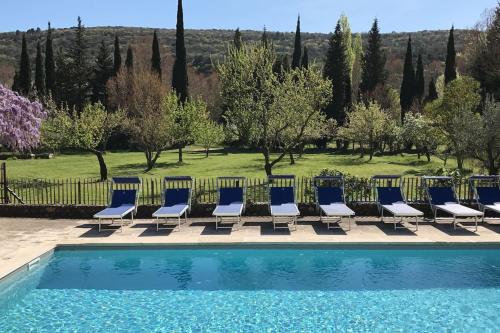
(220, 162)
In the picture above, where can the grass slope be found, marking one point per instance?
(220, 162)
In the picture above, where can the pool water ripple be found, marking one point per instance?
(248, 290)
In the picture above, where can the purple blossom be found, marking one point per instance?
(20, 121)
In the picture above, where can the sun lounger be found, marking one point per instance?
(330, 201)
(486, 193)
(123, 200)
(442, 197)
(390, 198)
(282, 201)
(176, 200)
(230, 201)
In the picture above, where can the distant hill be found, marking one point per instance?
(206, 46)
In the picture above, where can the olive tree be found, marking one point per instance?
(418, 130)
(86, 130)
(455, 115)
(271, 114)
(209, 134)
(365, 124)
(484, 144)
(148, 106)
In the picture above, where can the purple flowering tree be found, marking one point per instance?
(20, 121)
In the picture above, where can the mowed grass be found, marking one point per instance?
(220, 162)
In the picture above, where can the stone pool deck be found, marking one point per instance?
(22, 240)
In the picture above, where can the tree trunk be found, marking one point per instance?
(292, 160)
(460, 161)
(180, 154)
(268, 167)
(206, 152)
(339, 144)
(102, 165)
(151, 160)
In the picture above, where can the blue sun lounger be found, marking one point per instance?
(441, 195)
(124, 195)
(330, 201)
(231, 193)
(282, 201)
(390, 198)
(486, 192)
(176, 200)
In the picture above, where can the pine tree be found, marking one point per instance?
(74, 74)
(237, 41)
(450, 71)
(297, 50)
(129, 61)
(305, 58)
(433, 94)
(24, 69)
(50, 66)
(179, 75)
(117, 60)
(104, 69)
(155, 57)
(407, 94)
(420, 79)
(336, 70)
(39, 71)
(373, 62)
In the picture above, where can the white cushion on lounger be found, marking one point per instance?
(337, 209)
(234, 209)
(115, 212)
(459, 210)
(495, 207)
(402, 209)
(171, 211)
(285, 210)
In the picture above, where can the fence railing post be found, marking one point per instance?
(79, 192)
(5, 185)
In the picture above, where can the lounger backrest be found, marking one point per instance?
(177, 196)
(329, 195)
(123, 197)
(282, 195)
(488, 195)
(389, 195)
(441, 195)
(229, 195)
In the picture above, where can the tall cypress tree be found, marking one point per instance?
(129, 61)
(104, 69)
(117, 59)
(420, 79)
(15, 83)
(297, 50)
(336, 69)
(305, 59)
(433, 94)
(407, 94)
(39, 71)
(373, 62)
(237, 41)
(265, 39)
(50, 66)
(155, 57)
(24, 69)
(179, 74)
(450, 71)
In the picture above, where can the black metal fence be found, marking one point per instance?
(92, 192)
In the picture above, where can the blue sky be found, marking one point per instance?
(279, 15)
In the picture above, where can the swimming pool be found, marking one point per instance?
(223, 289)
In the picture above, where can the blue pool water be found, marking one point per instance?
(256, 290)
